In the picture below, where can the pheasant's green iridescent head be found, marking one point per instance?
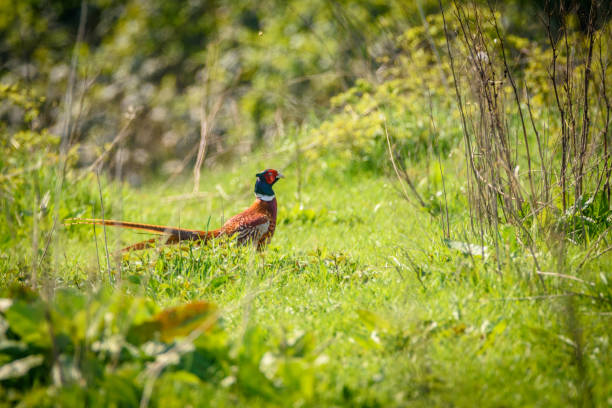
(264, 183)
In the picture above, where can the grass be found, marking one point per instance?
(362, 299)
(357, 302)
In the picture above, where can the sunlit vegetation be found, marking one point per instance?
(444, 228)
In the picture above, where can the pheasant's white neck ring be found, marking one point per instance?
(264, 197)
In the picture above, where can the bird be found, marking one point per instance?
(254, 226)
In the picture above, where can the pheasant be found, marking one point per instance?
(254, 225)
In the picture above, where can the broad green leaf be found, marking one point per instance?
(28, 321)
(175, 322)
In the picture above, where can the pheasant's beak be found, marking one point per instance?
(279, 176)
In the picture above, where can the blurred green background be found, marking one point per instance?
(158, 65)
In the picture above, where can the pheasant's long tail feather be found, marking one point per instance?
(141, 245)
(169, 240)
(155, 229)
(173, 234)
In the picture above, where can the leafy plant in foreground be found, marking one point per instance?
(111, 348)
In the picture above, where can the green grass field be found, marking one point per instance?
(443, 234)
(358, 301)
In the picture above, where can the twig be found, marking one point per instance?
(182, 166)
(35, 238)
(399, 177)
(564, 276)
(65, 128)
(518, 104)
(93, 224)
(120, 136)
(468, 148)
(205, 126)
(592, 248)
(108, 264)
(585, 101)
(435, 133)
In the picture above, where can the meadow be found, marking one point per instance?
(415, 262)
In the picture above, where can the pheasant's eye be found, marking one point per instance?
(270, 177)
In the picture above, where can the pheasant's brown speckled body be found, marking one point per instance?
(255, 225)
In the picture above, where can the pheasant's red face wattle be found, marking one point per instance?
(270, 176)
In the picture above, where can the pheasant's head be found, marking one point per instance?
(264, 183)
